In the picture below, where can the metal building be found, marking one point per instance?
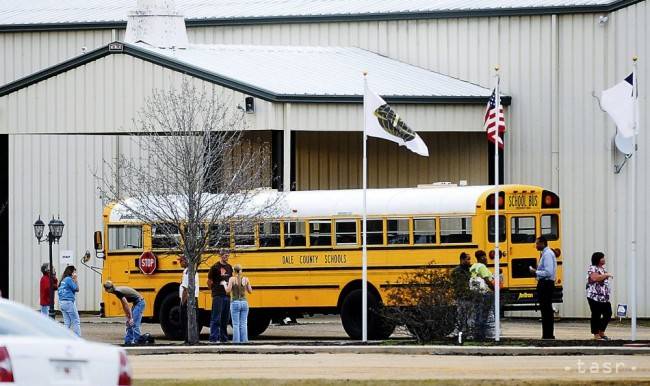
(554, 56)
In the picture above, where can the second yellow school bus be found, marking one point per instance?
(308, 259)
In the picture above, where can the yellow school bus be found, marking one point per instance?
(308, 259)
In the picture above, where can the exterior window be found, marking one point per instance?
(270, 234)
(320, 233)
(424, 231)
(522, 230)
(550, 226)
(165, 236)
(398, 231)
(219, 236)
(124, 237)
(244, 235)
(374, 232)
(294, 234)
(456, 230)
(502, 229)
(346, 232)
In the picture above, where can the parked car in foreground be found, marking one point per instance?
(35, 350)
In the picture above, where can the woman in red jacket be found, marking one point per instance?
(45, 288)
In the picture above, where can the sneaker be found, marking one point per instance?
(604, 337)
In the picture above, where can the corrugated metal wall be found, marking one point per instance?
(599, 204)
(105, 95)
(54, 177)
(28, 52)
(332, 160)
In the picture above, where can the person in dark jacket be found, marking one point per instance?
(45, 291)
(218, 277)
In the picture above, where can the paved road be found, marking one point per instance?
(328, 328)
(391, 367)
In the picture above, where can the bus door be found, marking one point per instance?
(503, 247)
(522, 254)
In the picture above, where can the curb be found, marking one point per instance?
(403, 350)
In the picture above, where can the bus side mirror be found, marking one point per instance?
(99, 244)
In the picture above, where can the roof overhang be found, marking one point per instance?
(120, 48)
(348, 17)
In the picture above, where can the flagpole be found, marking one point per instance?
(632, 265)
(364, 252)
(497, 277)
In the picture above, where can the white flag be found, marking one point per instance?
(618, 102)
(383, 122)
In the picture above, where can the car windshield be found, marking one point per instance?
(16, 319)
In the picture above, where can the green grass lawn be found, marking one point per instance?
(318, 382)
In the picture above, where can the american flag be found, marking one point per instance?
(489, 123)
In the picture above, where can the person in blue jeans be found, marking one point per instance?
(237, 287)
(218, 277)
(67, 299)
(133, 314)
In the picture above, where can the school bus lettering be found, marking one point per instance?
(287, 259)
(311, 259)
(335, 259)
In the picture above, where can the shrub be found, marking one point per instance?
(426, 303)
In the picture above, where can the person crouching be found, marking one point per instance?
(133, 314)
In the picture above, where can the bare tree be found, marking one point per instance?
(194, 176)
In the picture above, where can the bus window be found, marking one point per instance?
(550, 227)
(320, 233)
(502, 229)
(374, 232)
(346, 232)
(294, 234)
(219, 236)
(398, 231)
(165, 236)
(244, 235)
(424, 231)
(124, 237)
(270, 234)
(456, 230)
(522, 230)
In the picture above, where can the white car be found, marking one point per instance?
(36, 351)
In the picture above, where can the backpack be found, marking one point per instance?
(478, 284)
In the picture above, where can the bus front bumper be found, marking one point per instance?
(525, 299)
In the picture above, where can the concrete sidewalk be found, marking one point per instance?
(385, 349)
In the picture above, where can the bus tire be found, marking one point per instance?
(378, 326)
(170, 316)
(258, 322)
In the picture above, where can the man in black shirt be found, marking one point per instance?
(460, 281)
(460, 276)
(133, 314)
(218, 277)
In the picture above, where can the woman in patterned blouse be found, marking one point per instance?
(598, 295)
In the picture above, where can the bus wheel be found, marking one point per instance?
(378, 326)
(170, 316)
(258, 322)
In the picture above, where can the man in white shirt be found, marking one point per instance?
(183, 293)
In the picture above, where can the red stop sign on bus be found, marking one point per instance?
(148, 263)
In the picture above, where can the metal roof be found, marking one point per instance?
(333, 71)
(290, 73)
(107, 13)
